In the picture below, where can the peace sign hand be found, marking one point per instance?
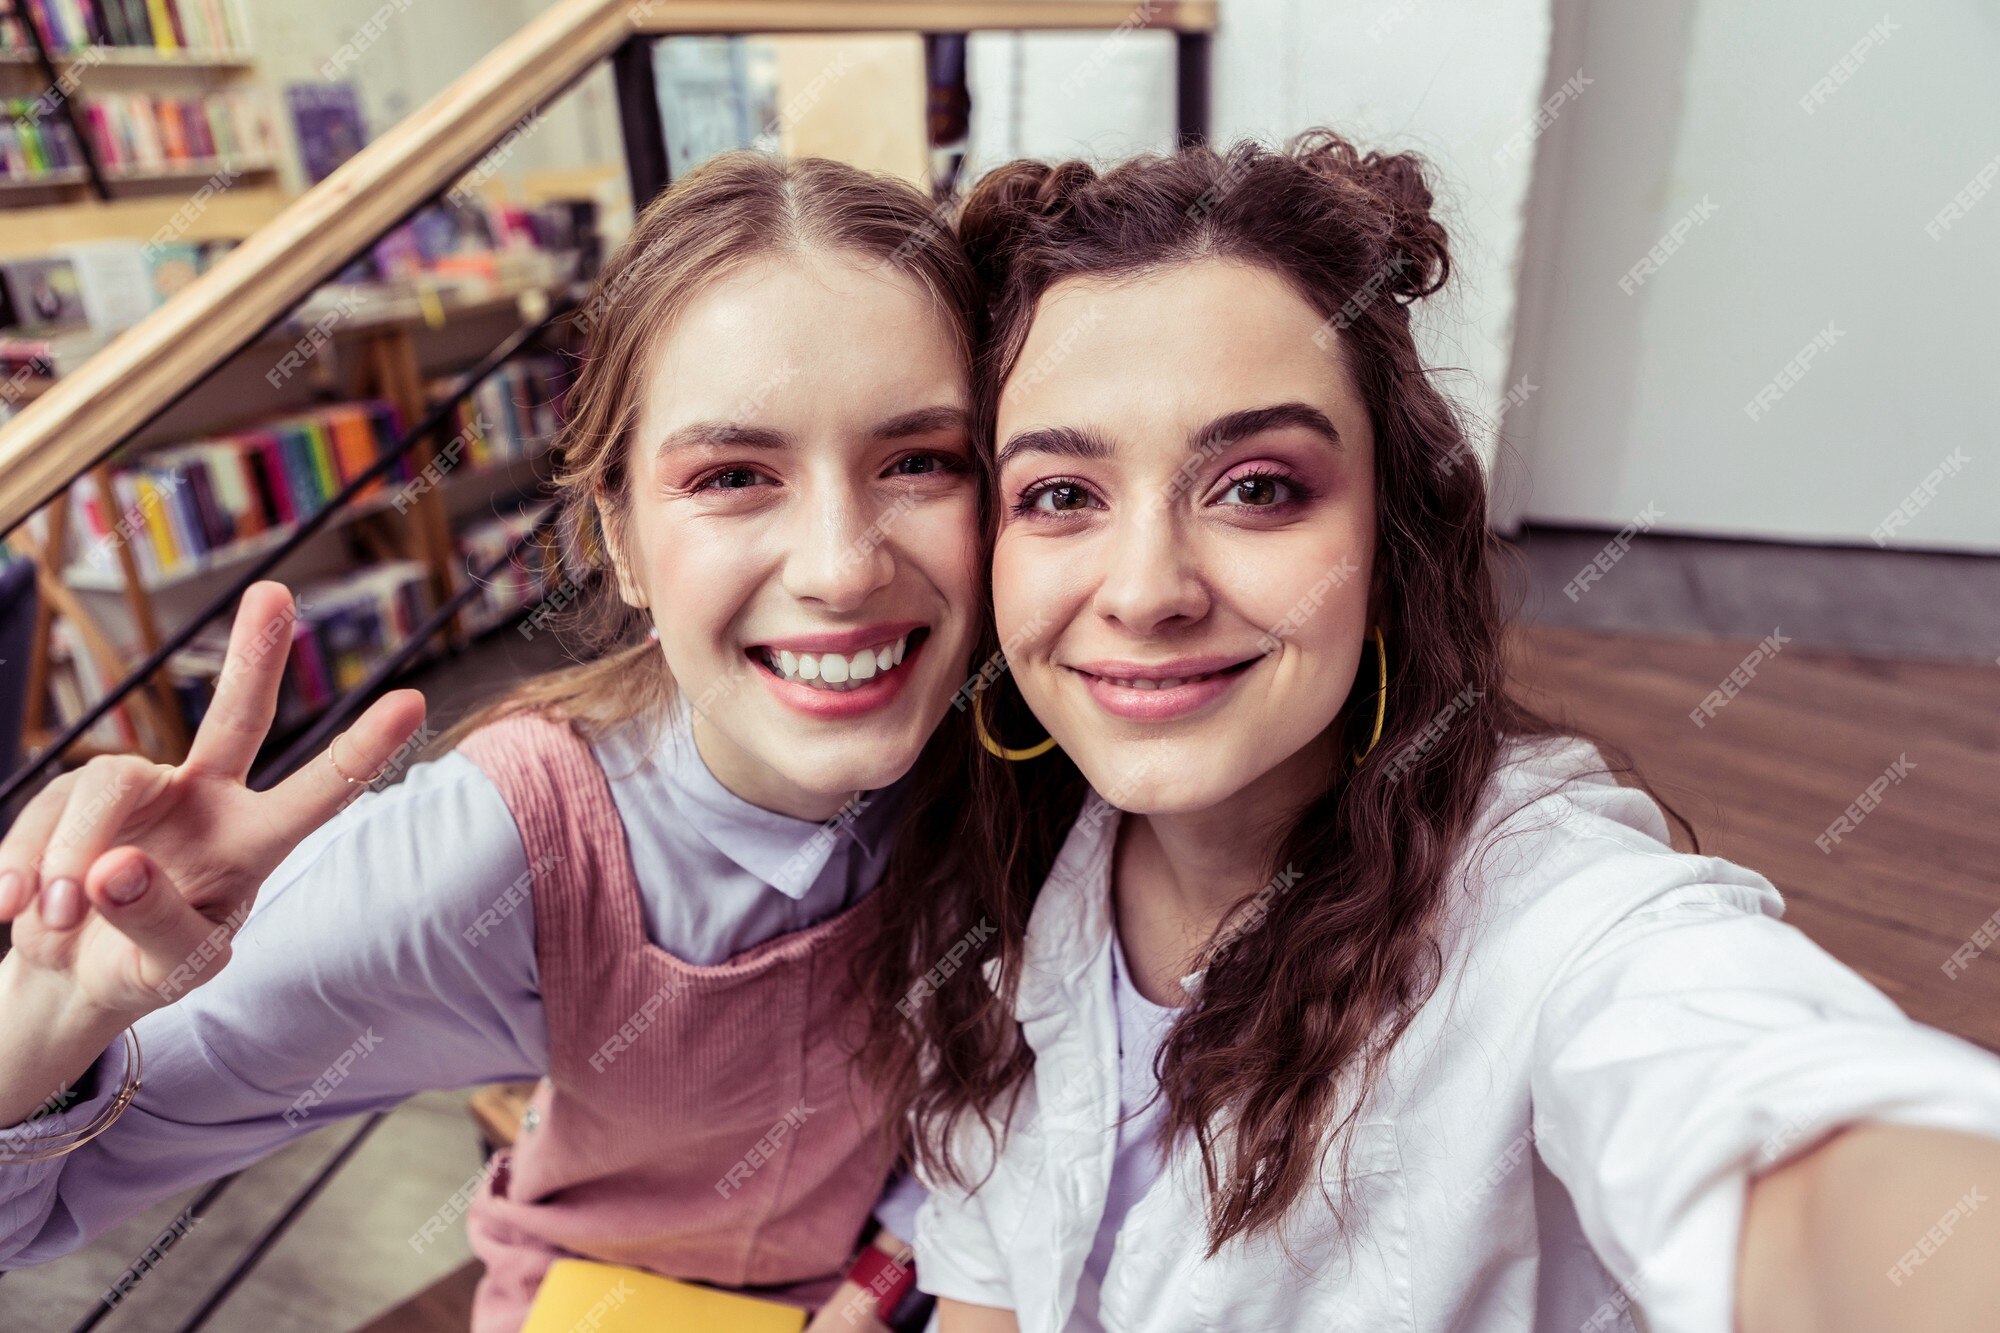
(125, 879)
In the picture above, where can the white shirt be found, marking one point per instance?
(1562, 1138)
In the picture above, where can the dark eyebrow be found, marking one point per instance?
(728, 434)
(923, 421)
(1226, 430)
(1062, 441)
(721, 433)
(1217, 435)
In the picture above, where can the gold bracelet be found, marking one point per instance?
(61, 1145)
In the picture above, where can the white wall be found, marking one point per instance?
(417, 52)
(1452, 79)
(1818, 218)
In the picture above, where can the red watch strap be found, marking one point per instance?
(884, 1277)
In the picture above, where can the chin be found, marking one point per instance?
(860, 760)
(1168, 781)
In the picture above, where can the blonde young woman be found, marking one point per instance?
(644, 881)
(1358, 997)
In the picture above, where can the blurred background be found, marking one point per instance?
(1723, 318)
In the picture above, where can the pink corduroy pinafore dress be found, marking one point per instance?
(698, 1122)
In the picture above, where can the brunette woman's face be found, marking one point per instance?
(1187, 494)
(803, 524)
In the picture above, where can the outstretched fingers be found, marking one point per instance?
(246, 693)
(381, 739)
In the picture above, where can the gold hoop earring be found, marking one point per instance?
(995, 747)
(1381, 691)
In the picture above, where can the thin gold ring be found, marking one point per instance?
(332, 759)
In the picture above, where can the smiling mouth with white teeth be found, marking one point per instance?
(837, 672)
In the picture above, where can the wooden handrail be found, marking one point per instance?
(721, 16)
(137, 376)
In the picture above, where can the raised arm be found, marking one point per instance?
(373, 965)
(125, 880)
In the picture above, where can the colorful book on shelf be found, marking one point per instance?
(199, 27)
(514, 413)
(185, 503)
(135, 133)
(162, 24)
(35, 141)
(328, 124)
(345, 627)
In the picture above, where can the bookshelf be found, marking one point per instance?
(117, 586)
(111, 98)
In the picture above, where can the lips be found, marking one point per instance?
(1161, 692)
(840, 675)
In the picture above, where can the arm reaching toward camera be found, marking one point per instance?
(1881, 1226)
(124, 880)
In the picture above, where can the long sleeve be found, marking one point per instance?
(957, 1254)
(391, 953)
(897, 1208)
(1699, 1040)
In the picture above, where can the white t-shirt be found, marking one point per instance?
(1142, 1026)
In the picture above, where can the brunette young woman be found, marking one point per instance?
(643, 880)
(1358, 997)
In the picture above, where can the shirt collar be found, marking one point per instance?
(788, 853)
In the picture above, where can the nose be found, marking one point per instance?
(838, 551)
(1150, 580)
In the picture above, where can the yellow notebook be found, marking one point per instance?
(606, 1298)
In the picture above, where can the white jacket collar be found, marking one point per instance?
(1070, 928)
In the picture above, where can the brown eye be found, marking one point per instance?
(1259, 490)
(1056, 496)
(1064, 497)
(1256, 491)
(733, 479)
(923, 465)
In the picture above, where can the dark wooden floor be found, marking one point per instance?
(443, 1308)
(1760, 781)
(1782, 760)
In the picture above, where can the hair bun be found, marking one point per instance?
(1418, 251)
(1009, 204)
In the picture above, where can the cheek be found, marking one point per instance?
(1033, 591)
(695, 579)
(940, 540)
(1308, 583)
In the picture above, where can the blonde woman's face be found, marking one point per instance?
(1187, 493)
(803, 525)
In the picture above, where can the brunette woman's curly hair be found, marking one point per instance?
(1304, 1008)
